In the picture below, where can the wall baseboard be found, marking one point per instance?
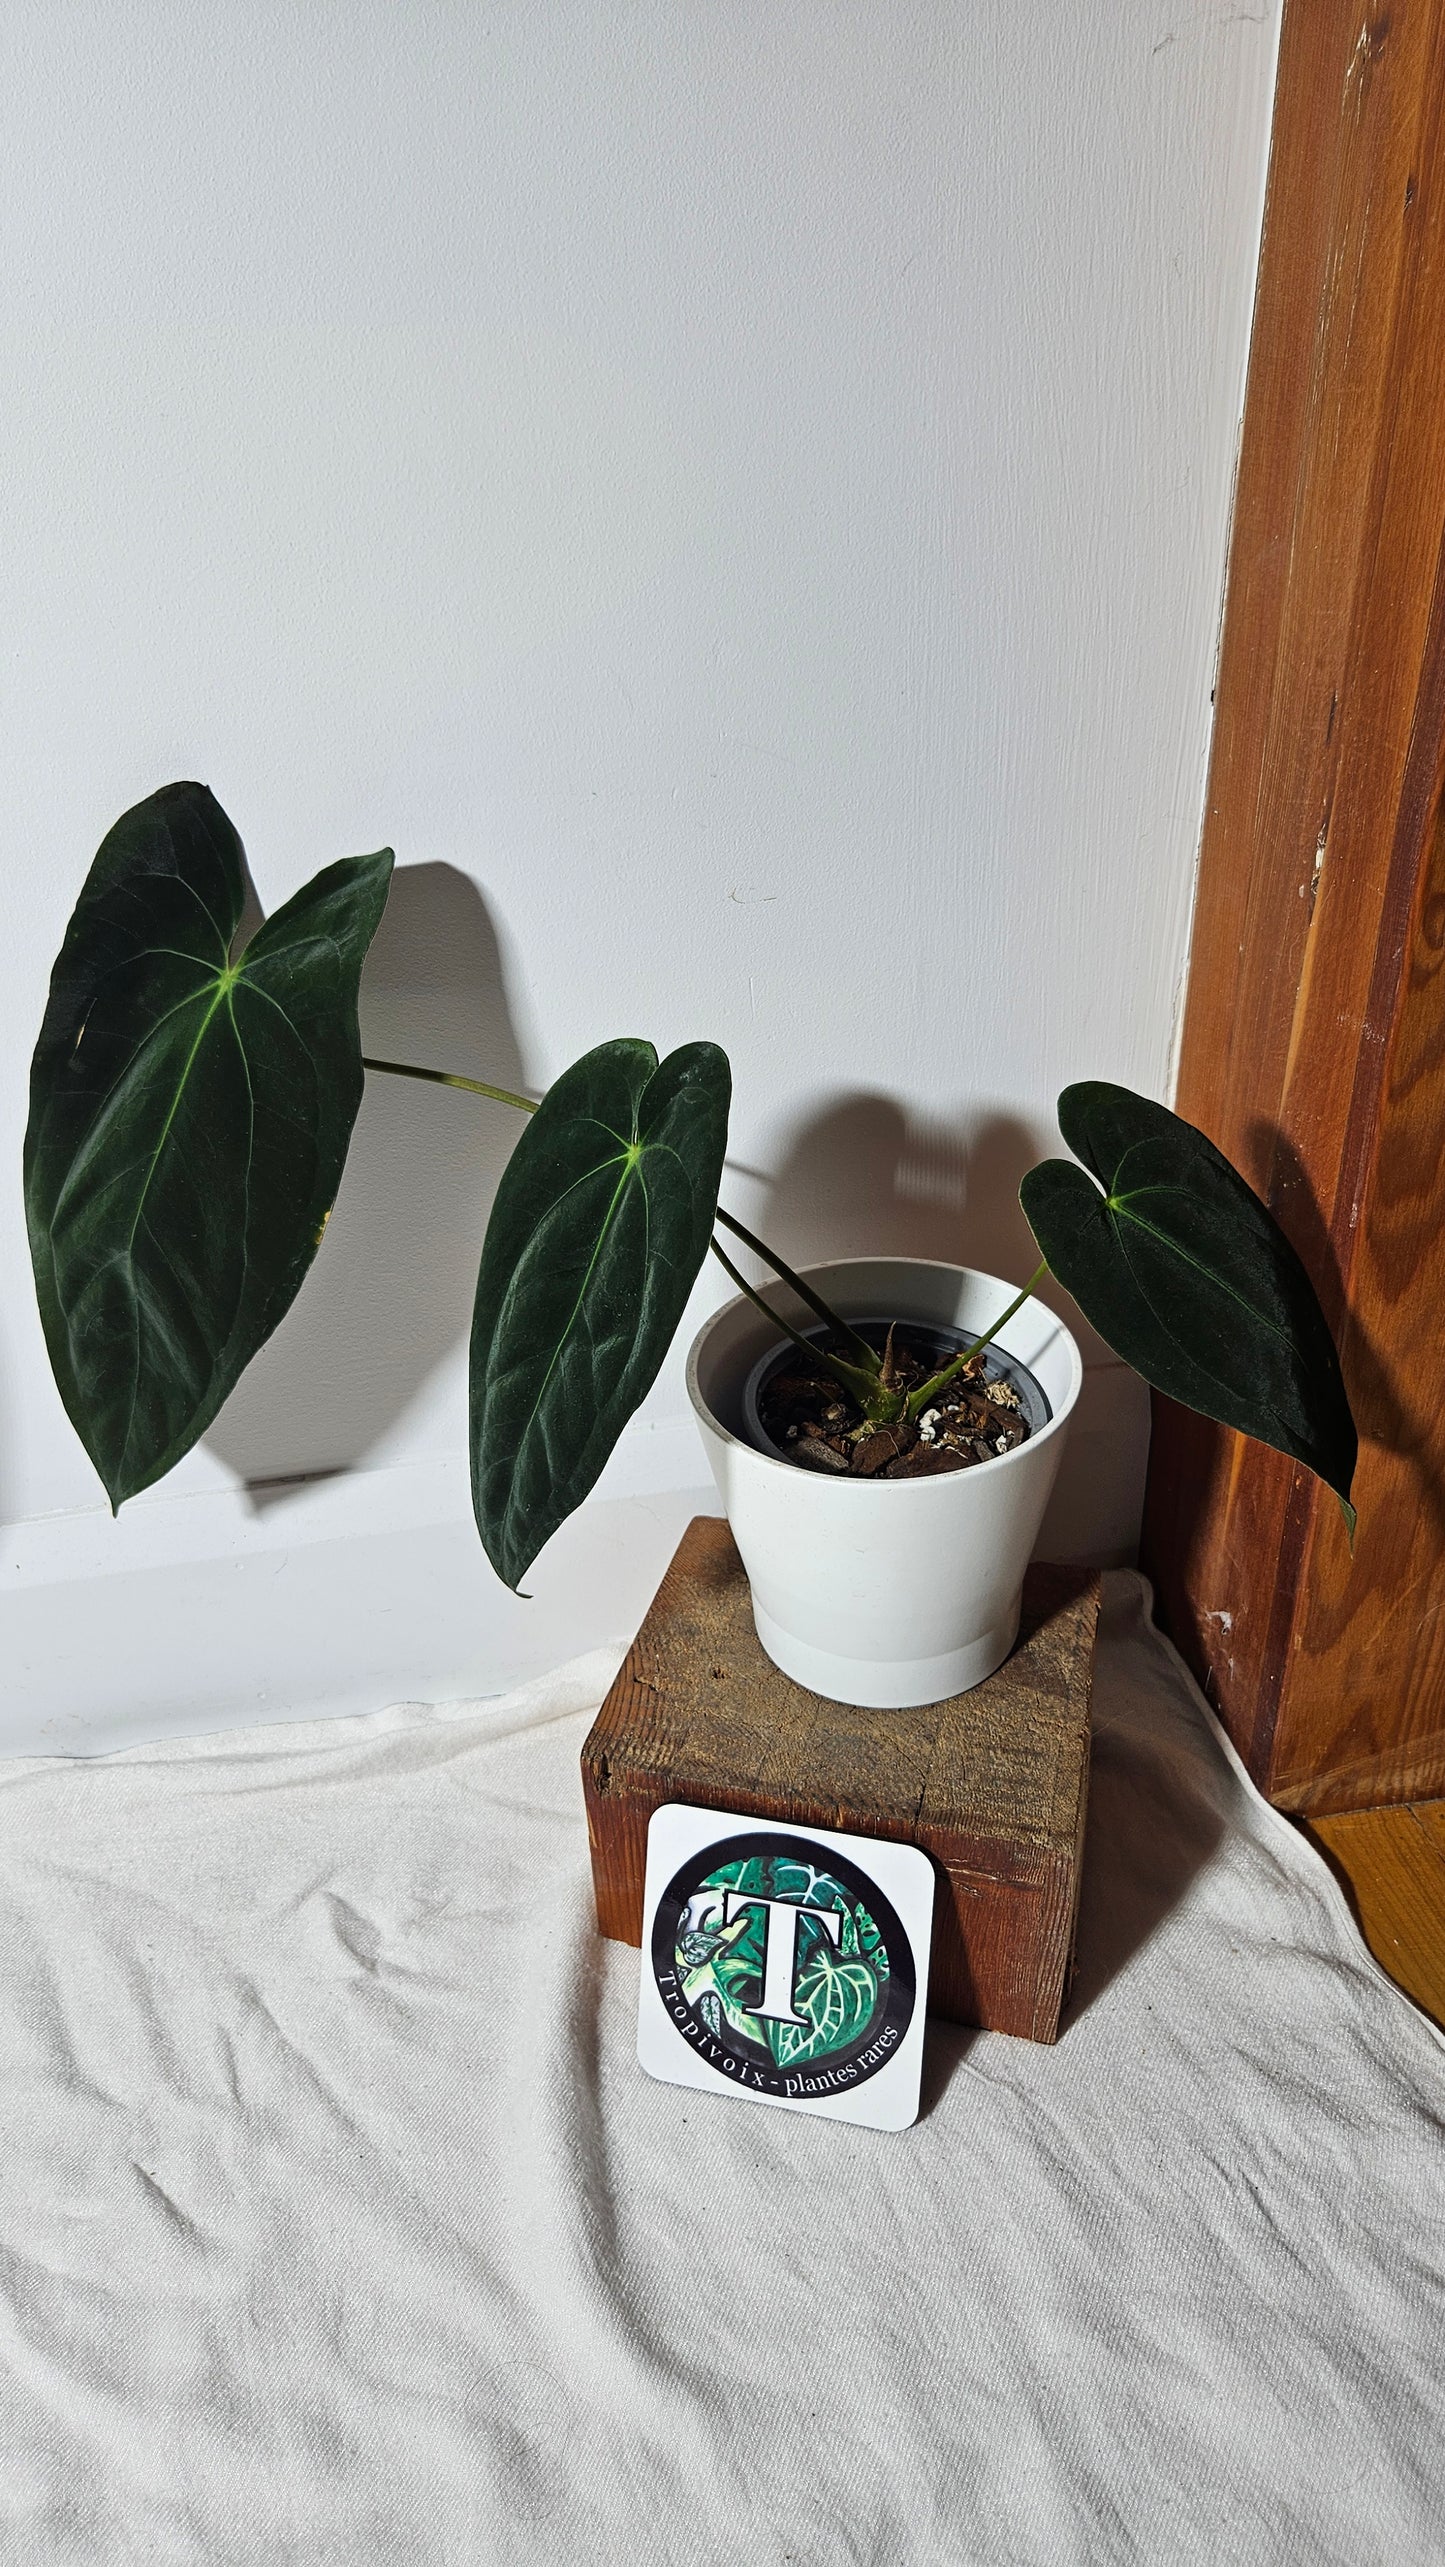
(224, 1609)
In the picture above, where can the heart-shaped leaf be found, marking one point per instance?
(189, 1120)
(1182, 1270)
(600, 1224)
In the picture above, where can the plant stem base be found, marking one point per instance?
(992, 1782)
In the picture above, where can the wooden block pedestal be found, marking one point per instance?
(992, 1784)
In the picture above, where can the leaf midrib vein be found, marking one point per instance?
(565, 1332)
(1118, 1205)
(171, 1113)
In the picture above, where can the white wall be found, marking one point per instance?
(737, 497)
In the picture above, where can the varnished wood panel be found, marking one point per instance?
(992, 1784)
(1314, 1039)
(1392, 1863)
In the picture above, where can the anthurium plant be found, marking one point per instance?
(192, 1100)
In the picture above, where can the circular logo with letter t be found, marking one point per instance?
(783, 1965)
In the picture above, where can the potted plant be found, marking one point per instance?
(884, 1432)
(886, 1558)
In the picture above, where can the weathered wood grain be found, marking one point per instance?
(992, 1783)
(1314, 1038)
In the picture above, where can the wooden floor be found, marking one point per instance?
(1392, 1863)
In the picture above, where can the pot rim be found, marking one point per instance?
(1063, 1409)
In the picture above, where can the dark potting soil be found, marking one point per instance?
(811, 1419)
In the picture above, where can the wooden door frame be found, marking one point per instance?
(1313, 1044)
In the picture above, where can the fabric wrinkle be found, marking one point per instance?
(338, 2222)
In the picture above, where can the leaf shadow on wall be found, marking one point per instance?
(1378, 1396)
(390, 1293)
(864, 1178)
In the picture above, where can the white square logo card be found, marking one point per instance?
(788, 1964)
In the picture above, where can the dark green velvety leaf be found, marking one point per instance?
(1184, 1272)
(600, 1224)
(189, 1121)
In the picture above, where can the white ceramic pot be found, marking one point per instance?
(884, 1592)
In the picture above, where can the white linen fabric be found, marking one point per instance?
(338, 2224)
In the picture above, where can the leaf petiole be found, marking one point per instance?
(862, 1378)
(919, 1399)
(859, 1385)
(866, 1361)
(451, 1078)
(864, 1355)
